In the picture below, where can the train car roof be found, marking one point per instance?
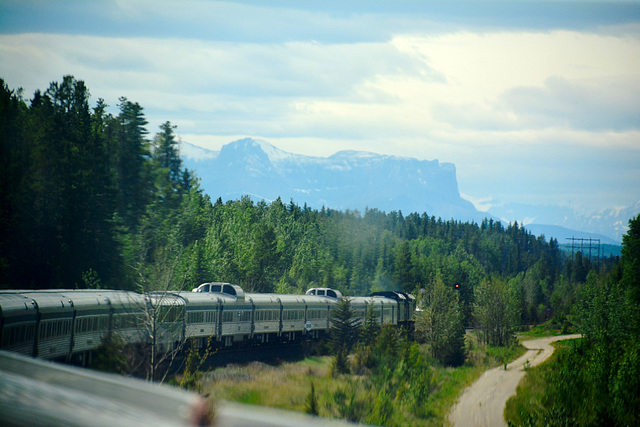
(87, 300)
(292, 298)
(369, 300)
(50, 302)
(14, 304)
(200, 298)
(126, 299)
(167, 298)
(264, 298)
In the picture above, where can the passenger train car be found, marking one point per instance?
(69, 324)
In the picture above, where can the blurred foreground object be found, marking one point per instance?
(34, 392)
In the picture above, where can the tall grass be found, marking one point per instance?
(548, 329)
(350, 396)
(526, 407)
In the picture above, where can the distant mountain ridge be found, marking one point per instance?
(611, 223)
(563, 234)
(359, 180)
(346, 180)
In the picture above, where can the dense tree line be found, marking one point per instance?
(90, 199)
(81, 188)
(595, 381)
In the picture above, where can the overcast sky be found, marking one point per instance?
(534, 102)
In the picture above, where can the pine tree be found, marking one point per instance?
(441, 324)
(344, 326)
(131, 162)
(370, 328)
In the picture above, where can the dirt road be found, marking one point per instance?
(482, 403)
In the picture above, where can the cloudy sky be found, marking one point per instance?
(534, 102)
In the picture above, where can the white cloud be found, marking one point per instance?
(508, 108)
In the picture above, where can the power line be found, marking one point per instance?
(586, 243)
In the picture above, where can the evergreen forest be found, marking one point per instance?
(95, 199)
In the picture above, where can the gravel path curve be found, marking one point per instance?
(482, 403)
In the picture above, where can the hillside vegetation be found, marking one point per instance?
(595, 381)
(90, 199)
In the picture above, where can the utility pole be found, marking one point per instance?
(586, 243)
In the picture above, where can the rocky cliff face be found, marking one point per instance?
(346, 180)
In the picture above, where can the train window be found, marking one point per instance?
(227, 316)
(170, 314)
(292, 314)
(212, 316)
(196, 317)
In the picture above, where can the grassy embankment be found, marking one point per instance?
(526, 406)
(547, 329)
(287, 386)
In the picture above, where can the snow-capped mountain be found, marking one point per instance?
(345, 180)
(562, 222)
(359, 180)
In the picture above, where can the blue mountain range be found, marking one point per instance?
(356, 180)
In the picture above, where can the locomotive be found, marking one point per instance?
(70, 324)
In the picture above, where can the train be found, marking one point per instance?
(70, 324)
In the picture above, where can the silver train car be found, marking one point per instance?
(70, 324)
